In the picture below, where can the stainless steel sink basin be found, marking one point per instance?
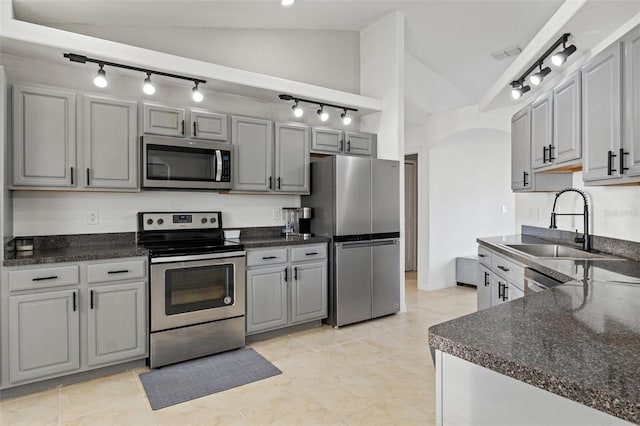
(555, 251)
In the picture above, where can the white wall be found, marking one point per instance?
(323, 58)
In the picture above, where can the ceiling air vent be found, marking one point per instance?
(507, 52)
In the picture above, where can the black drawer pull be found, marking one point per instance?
(313, 253)
(270, 182)
(53, 277)
(269, 257)
(121, 271)
(502, 268)
(482, 255)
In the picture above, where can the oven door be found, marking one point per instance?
(187, 290)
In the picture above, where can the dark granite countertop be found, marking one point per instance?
(273, 241)
(579, 340)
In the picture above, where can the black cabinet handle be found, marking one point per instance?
(502, 268)
(88, 177)
(341, 145)
(313, 253)
(482, 255)
(71, 175)
(120, 271)
(349, 146)
(486, 279)
(622, 167)
(551, 157)
(544, 154)
(52, 277)
(182, 131)
(500, 287)
(91, 299)
(270, 182)
(278, 182)
(269, 257)
(525, 175)
(194, 128)
(74, 301)
(610, 157)
(286, 274)
(295, 273)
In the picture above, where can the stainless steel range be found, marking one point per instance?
(197, 291)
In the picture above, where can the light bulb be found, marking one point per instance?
(100, 79)
(196, 94)
(516, 93)
(297, 110)
(148, 87)
(287, 2)
(561, 57)
(346, 119)
(324, 115)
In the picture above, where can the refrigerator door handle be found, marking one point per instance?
(384, 242)
(352, 245)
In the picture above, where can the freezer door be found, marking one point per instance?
(385, 196)
(352, 283)
(353, 195)
(385, 255)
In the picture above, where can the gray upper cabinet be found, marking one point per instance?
(521, 150)
(309, 292)
(601, 116)
(252, 140)
(359, 143)
(327, 140)
(631, 89)
(208, 125)
(567, 139)
(163, 120)
(542, 131)
(292, 158)
(44, 137)
(44, 333)
(110, 143)
(116, 323)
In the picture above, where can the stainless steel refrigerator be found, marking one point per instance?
(356, 202)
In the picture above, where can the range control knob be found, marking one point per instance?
(149, 221)
(204, 220)
(160, 221)
(213, 220)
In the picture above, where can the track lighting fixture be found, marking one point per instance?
(561, 57)
(322, 112)
(100, 79)
(518, 87)
(324, 115)
(297, 109)
(287, 2)
(148, 87)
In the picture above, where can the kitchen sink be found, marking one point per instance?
(556, 251)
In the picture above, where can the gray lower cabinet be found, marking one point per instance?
(252, 140)
(286, 286)
(44, 334)
(110, 143)
(484, 288)
(162, 120)
(116, 322)
(44, 136)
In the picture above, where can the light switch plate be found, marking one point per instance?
(93, 218)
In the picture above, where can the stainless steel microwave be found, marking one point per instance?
(172, 163)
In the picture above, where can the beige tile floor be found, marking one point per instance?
(374, 373)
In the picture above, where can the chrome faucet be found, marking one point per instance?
(585, 239)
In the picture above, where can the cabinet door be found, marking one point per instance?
(252, 140)
(163, 120)
(309, 292)
(567, 140)
(267, 298)
(601, 114)
(44, 335)
(541, 131)
(208, 125)
(110, 143)
(358, 143)
(44, 137)
(521, 150)
(292, 158)
(484, 288)
(353, 283)
(385, 277)
(117, 323)
(327, 140)
(631, 143)
(499, 290)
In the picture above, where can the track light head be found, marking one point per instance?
(196, 94)
(100, 79)
(561, 57)
(519, 89)
(537, 78)
(324, 115)
(148, 87)
(346, 119)
(297, 109)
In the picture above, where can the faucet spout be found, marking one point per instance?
(585, 239)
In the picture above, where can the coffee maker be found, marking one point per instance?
(304, 221)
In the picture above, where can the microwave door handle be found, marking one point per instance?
(218, 165)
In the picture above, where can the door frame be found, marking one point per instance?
(411, 238)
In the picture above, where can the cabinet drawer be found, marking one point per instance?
(266, 257)
(116, 271)
(28, 279)
(508, 269)
(315, 252)
(484, 256)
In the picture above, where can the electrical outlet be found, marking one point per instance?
(504, 209)
(276, 213)
(93, 218)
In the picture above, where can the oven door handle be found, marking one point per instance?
(171, 259)
(218, 165)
